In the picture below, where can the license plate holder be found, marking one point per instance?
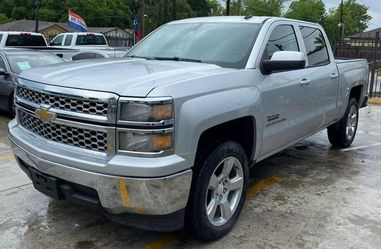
(47, 185)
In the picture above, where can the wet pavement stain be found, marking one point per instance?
(6, 156)
(162, 243)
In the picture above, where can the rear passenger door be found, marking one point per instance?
(322, 73)
(288, 103)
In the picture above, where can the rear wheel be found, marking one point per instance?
(342, 133)
(218, 192)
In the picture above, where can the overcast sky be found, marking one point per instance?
(374, 9)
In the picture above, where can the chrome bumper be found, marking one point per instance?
(117, 194)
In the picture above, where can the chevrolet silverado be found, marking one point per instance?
(164, 138)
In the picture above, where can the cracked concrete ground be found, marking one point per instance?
(309, 196)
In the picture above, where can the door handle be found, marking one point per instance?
(305, 82)
(334, 76)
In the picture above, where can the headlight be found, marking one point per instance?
(147, 111)
(146, 141)
(145, 126)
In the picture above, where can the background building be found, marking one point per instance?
(115, 36)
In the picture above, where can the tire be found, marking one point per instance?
(223, 191)
(342, 133)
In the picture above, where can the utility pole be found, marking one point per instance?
(228, 7)
(142, 13)
(341, 20)
(239, 7)
(37, 7)
(174, 12)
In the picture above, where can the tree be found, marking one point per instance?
(263, 7)
(3, 18)
(200, 7)
(307, 10)
(355, 19)
(215, 8)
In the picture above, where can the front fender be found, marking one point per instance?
(198, 114)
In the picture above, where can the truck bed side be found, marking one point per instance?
(353, 73)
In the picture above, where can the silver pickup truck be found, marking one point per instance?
(165, 137)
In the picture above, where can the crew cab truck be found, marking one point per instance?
(91, 45)
(21, 39)
(165, 137)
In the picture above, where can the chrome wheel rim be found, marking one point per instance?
(224, 191)
(352, 122)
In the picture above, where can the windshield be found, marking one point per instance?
(25, 40)
(90, 39)
(223, 44)
(19, 63)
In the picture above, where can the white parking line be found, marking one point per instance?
(361, 147)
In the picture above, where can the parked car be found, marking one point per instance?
(12, 63)
(21, 39)
(166, 136)
(91, 45)
(81, 47)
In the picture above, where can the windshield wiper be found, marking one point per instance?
(140, 57)
(164, 58)
(176, 59)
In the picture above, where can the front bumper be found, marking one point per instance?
(117, 194)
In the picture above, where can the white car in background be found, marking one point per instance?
(90, 45)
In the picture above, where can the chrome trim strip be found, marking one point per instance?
(147, 124)
(152, 131)
(149, 100)
(80, 94)
(64, 113)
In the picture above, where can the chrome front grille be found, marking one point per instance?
(72, 104)
(80, 137)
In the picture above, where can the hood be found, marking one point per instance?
(125, 77)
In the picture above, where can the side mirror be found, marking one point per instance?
(284, 60)
(3, 72)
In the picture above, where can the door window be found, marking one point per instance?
(57, 41)
(316, 46)
(282, 38)
(68, 40)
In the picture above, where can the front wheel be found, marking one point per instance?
(218, 192)
(342, 133)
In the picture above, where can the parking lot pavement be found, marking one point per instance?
(309, 196)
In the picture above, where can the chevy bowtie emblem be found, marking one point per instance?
(44, 115)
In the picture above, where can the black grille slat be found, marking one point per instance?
(64, 103)
(83, 138)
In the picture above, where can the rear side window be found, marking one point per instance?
(57, 41)
(90, 39)
(1, 37)
(316, 47)
(68, 40)
(25, 40)
(282, 38)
